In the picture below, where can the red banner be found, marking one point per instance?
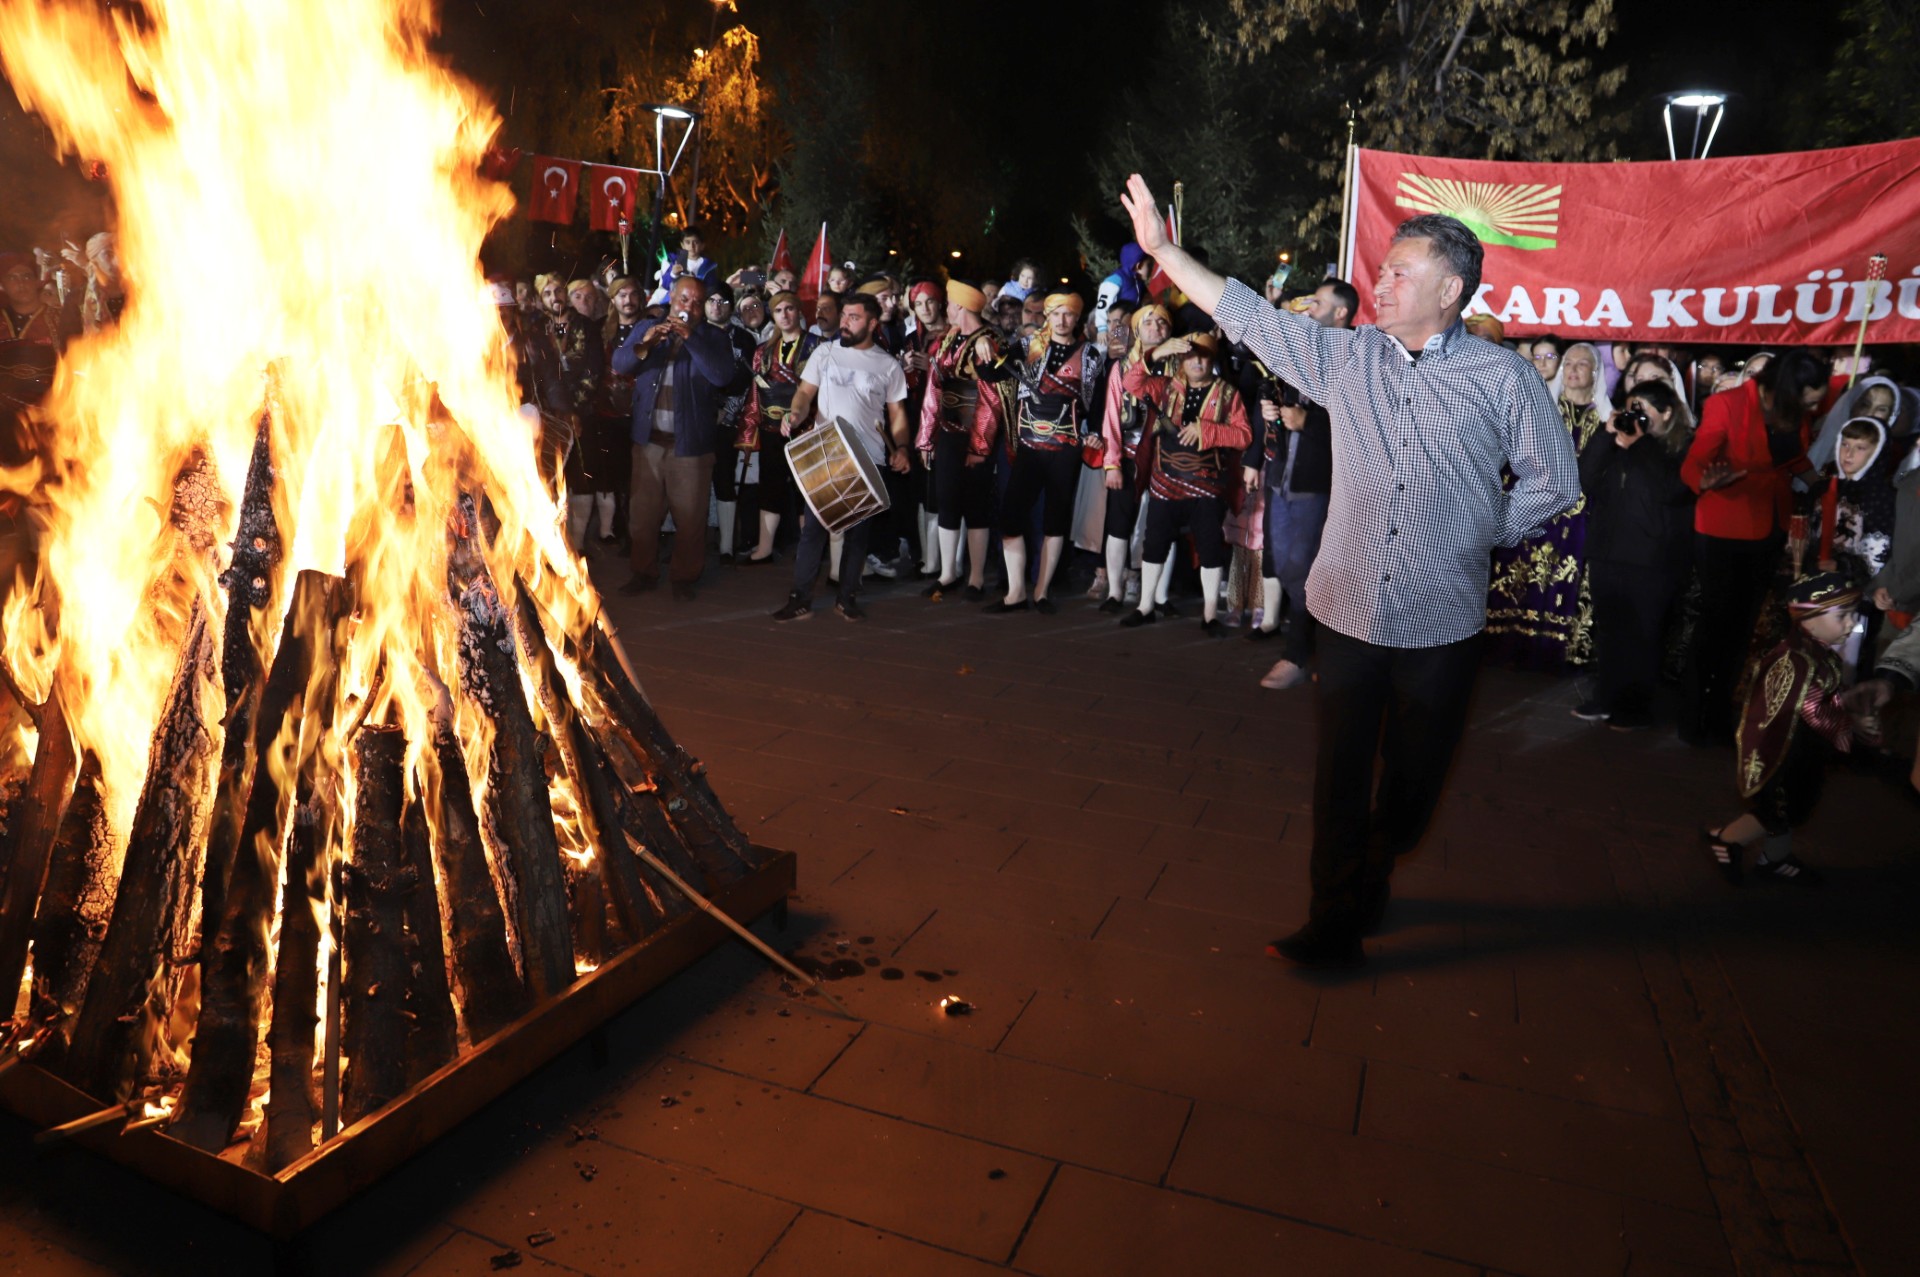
(556, 183)
(610, 193)
(1763, 250)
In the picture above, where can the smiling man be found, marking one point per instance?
(1424, 421)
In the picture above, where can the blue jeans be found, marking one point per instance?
(1294, 521)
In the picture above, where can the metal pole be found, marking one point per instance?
(693, 196)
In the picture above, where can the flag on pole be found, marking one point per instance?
(556, 187)
(782, 254)
(610, 193)
(813, 280)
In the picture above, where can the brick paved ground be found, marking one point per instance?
(1576, 1051)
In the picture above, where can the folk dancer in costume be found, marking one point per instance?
(580, 360)
(608, 461)
(1123, 425)
(1057, 382)
(776, 370)
(1795, 719)
(1199, 431)
(960, 421)
(928, 302)
(1292, 457)
(1539, 600)
(730, 464)
(31, 339)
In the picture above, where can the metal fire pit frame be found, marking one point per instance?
(284, 1205)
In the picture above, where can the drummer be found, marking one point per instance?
(856, 382)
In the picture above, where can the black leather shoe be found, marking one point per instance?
(1214, 628)
(1044, 607)
(1137, 618)
(1003, 607)
(1258, 635)
(974, 593)
(1110, 605)
(1313, 946)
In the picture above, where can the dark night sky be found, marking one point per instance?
(1004, 55)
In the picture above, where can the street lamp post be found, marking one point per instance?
(663, 167)
(1699, 101)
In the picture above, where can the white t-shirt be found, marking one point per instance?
(856, 386)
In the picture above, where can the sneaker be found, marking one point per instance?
(795, 609)
(1283, 675)
(1098, 590)
(1131, 595)
(1591, 712)
(1726, 855)
(879, 567)
(1789, 869)
(850, 610)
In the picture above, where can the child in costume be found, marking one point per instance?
(1793, 721)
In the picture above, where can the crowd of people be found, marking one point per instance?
(1143, 440)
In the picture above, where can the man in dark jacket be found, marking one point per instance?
(1293, 456)
(680, 366)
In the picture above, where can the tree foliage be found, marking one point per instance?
(1869, 93)
(1203, 121)
(1485, 79)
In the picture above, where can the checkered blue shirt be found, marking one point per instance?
(1419, 447)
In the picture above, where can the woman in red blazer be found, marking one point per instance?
(1751, 444)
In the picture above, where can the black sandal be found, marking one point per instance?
(1727, 856)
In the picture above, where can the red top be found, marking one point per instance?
(1755, 506)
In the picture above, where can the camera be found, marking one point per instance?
(1631, 422)
(752, 277)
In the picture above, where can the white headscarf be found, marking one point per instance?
(1557, 387)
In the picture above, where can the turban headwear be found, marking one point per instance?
(966, 296)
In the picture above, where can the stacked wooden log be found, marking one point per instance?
(326, 953)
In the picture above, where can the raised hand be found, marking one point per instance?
(1149, 231)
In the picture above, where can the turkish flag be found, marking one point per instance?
(813, 280)
(782, 254)
(556, 183)
(610, 193)
(499, 162)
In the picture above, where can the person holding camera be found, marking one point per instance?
(1639, 517)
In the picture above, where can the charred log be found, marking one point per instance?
(234, 966)
(67, 927)
(374, 1032)
(638, 908)
(291, 1108)
(518, 812)
(33, 821)
(252, 571)
(111, 1042)
(432, 1036)
(492, 994)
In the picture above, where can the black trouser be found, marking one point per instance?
(1788, 797)
(814, 540)
(965, 492)
(1052, 474)
(901, 521)
(1202, 517)
(1408, 707)
(1630, 605)
(1733, 584)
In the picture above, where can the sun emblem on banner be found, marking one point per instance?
(1513, 214)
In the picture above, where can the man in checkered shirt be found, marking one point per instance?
(1425, 420)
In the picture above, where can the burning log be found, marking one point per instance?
(234, 968)
(296, 974)
(111, 1043)
(519, 813)
(33, 821)
(636, 904)
(432, 1038)
(250, 581)
(66, 937)
(374, 1033)
(492, 995)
